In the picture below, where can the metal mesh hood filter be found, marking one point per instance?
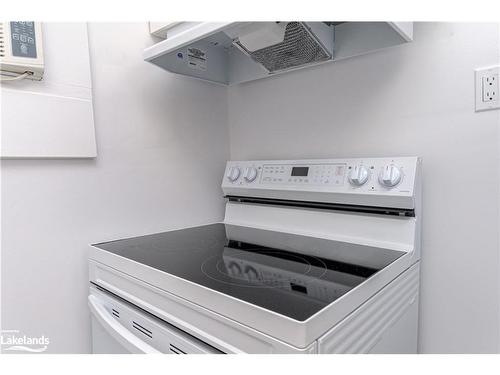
(299, 47)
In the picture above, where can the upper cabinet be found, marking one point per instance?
(234, 52)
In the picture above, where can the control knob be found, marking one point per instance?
(250, 174)
(233, 174)
(390, 176)
(359, 175)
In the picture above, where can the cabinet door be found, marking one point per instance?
(160, 29)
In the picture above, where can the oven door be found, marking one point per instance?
(119, 327)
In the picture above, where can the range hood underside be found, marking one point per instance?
(212, 55)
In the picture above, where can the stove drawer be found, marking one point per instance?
(214, 329)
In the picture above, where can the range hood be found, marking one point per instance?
(236, 52)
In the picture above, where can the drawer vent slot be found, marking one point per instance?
(143, 330)
(174, 349)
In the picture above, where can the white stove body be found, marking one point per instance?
(374, 202)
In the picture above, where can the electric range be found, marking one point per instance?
(310, 252)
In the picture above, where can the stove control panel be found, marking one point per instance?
(312, 180)
(307, 174)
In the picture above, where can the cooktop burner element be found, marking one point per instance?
(293, 280)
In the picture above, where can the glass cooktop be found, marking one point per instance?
(292, 275)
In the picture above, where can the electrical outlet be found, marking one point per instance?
(487, 93)
(490, 88)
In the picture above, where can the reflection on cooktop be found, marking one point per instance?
(294, 283)
(253, 266)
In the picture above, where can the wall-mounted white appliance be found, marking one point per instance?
(51, 117)
(21, 50)
(234, 52)
(313, 256)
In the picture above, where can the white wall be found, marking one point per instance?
(162, 145)
(415, 99)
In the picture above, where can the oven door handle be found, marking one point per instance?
(126, 338)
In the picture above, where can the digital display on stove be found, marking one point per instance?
(300, 171)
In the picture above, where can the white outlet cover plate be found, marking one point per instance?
(479, 74)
